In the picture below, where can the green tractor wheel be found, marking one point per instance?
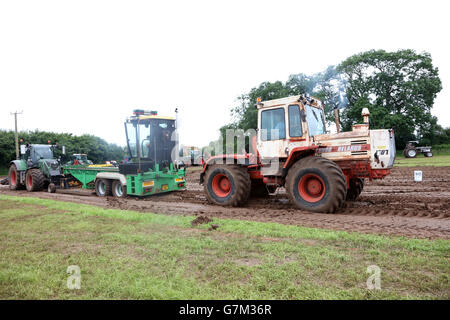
(14, 178)
(34, 180)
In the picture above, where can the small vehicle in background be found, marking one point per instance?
(411, 150)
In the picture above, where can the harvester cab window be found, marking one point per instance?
(144, 139)
(273, 124)
(131, 136)
(295, 124)
(316, 124)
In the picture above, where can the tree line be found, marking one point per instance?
(97, 149)
(399, 88)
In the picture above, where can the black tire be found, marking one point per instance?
(14, 178)
(103, 187)
(428, 154)
(410, 153)
(227, 185)
(316, 184)
(34, 180)
(51, 188)
(118, 190)
(355, 189)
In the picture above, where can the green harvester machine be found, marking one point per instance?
(150, 167)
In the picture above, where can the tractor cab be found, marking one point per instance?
(288, 123)
(150, 140)
(35, 152)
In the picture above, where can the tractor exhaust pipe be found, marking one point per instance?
(336, 120)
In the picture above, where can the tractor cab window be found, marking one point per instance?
(42, 152)
(315, 118)
(273, 125)
(295, 123)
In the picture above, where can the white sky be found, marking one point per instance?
(82, 66)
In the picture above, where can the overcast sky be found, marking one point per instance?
(83, 66)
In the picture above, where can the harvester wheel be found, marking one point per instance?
(14, 179)
(316, 184)
(355, 189)
(34, 180)
(118, 190)
(103, 187)
(227, 185)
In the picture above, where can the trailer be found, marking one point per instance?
(117, 182)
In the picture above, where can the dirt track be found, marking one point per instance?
(396, 205)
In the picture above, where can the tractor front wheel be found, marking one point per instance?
(316, 184)
(51, 188)
(14, 179)
(227, 185)
(34, 180)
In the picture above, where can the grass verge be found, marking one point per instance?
(132, 255)
(422, 161)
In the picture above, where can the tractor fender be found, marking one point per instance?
(112, 176)
(20, 165)
(296, 154)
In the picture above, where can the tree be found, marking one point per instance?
(399, 89)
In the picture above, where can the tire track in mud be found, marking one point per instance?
(393, 206)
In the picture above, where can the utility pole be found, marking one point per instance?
(16, 134)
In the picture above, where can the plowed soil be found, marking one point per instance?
(395, 205)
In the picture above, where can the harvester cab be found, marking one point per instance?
(151, 140)
(293, 150)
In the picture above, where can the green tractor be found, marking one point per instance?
(36, 169)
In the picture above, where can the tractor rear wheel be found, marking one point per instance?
(355, 189)
(34, 180)
(103, 187)
(14, 179)
(316, 184)
(410, 153)
(227, 185)
(118, 190)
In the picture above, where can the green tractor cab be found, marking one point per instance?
(36, 169)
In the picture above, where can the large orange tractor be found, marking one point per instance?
(292, 149)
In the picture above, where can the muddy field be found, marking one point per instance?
(395, 206)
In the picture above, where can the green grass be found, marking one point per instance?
(132, 255)
(422, 161)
